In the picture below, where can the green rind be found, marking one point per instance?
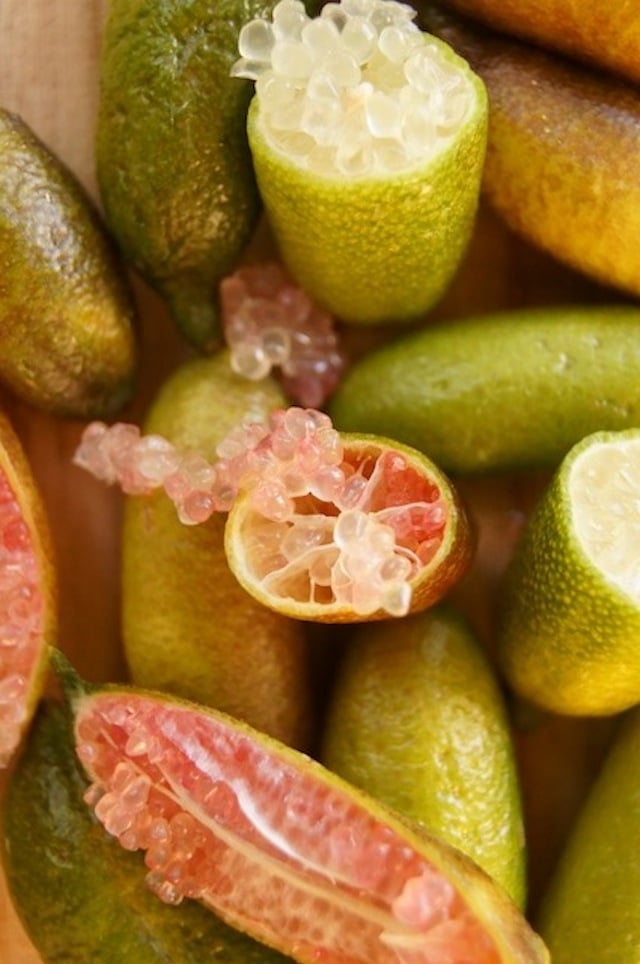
(568, 638)
(417, 720)
(376, 249)
(80, 895)
(188, 626)
(173, 163)
(590, 911)
(67, 343)
(512, 390)
(515, 940)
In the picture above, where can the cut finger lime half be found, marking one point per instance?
(571, 625)
(381, 532)
(28, 601)
(278, 846)
(368, 139)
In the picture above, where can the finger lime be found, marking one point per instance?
(80, 896)
(67, 343)
(414, 710)
(368, 140)
(28, 593)
(590, 911)
(568, 638)
(279, 846)
(511, 390)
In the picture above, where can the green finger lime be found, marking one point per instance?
(590, 911)
(368, 139)
(511, 390)
(67, 339)
(415, 708)
(80, 896)
(188, 626)
(278, 845)
(568, 638)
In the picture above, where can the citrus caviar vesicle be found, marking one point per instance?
(26, 593)
(280, 847)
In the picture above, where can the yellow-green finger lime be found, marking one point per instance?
(509, 390)
(570, 631)
(590, 912)
(417, 720)
(368, 140)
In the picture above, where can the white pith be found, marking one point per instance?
(604, 488)
(356, 91)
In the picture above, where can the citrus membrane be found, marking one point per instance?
(27, 595)
(330, 528)
(569, 633)
(278, 846)
(62, 866)
(368, 139)
(270, 323)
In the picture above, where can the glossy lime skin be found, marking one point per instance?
(513, 390)
(80, 895)
(67, 340)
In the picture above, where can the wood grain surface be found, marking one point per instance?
(49, 52)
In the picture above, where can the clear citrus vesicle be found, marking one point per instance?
(280, 847)
(323, 527)
(368, 140)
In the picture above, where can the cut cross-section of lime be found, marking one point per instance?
(278, 846)
(368, 139)
(570, 630)
(382, 532)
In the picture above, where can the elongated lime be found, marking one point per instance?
(571, 622)
(82, 897)
(504, 391)
(415, 709)
(368, 140)
(590, 911)
(279, 846)
(28, 592)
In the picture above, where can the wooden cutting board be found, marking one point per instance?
(49, 53)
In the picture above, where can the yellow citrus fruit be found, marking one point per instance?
(590, 910)
(510, 390)
(417, 719)
(188, 626)
(562, 148)
(603, 35)
(379, 532)
(80, 896)
(28, 593)
(279, 846)
(368, 139)
(569, 632)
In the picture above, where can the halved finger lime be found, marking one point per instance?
(278, 846)
(28, 599)
(380, 532)
(368, 139)
(570, 632)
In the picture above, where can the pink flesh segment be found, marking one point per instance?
(271, 323)
(21, 608)
(281, 852)
(323, 529)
